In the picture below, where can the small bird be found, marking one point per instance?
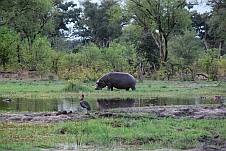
(203, 97)
(85, 104)
(8, 100)
(217, 98)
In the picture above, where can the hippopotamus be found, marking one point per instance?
(119, 80)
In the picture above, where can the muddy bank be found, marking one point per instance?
(177, 112)
(43, 117)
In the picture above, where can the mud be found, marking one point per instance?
(177, 112)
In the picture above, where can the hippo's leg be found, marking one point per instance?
(133, 88)
(110, 88)
(127, 89)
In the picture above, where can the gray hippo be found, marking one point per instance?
(119, 80)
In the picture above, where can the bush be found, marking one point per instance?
(73, 86)
(76, 86)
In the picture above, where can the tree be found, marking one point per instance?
(186, 46)
(66, 15)
(96, 25)
(147, 47)
(217, 23)
(8, 43)
(184, 50)
(209, 63)
(29, 18)
(147, 53)
(162, 18)
(199, 23)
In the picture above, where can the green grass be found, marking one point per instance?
(145, 132)
(142, 132)
(29, 88)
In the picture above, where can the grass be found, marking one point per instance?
(148, 133)
(31, 88)
(122, 132)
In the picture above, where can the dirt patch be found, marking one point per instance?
(177, 112)
(43, 117)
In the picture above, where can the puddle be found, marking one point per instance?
(72, 104)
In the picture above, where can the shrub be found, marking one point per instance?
(76, 86)
(73, 86)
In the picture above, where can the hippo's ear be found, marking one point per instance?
(99, 82)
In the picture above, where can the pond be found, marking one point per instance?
(72, 104)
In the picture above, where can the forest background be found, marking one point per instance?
(157, 39)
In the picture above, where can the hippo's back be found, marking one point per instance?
(120, 75)
(121, 80)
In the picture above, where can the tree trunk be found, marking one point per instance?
(219, 48)
(166, 50)
(140, 72)
(160, 46)
(205, 43)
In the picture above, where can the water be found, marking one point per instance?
(72, 104)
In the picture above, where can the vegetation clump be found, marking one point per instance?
(73, 86)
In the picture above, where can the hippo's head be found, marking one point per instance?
(100, 84)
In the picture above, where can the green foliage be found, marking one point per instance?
(101, 29)
(18, 147)
(160, 74)
(217, 23)
(186, 46)
(73, 86)
(141, 132)
(222, 66)
(91, 62)
(85, 65)
(43, 56)
(147, 48)
(30, 18)
(64, 13)
(39, 57)
(8, 43)
(120, 58)
(209, 63)
(161, 18)
(32, 29)
(131, 35)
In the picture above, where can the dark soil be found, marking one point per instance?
(177, 112)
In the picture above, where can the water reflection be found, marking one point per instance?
(104, 104)
(115, 103)
(72, 104)
(68, 105)
(30, 105)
